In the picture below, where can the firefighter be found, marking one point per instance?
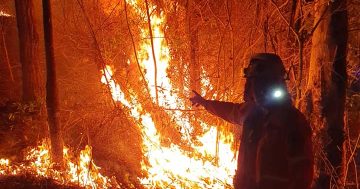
(276, 147)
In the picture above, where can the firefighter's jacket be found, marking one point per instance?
(276, 148)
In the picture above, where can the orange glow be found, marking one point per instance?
(82, 172)
(209, 163)
(2, 13)
(170, 166)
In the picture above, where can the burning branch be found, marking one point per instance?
(153, 50)
(102, 65)
(133, 43)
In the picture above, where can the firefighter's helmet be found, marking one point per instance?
(267, 65)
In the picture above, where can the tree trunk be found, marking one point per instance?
(33, 88)
(51, 88)
(326, 87)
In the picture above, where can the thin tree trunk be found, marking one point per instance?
(100, 61)
(300, 72)
(153, 50)
(134, 48)
(229, 9)
(51, 88)
(297, 25)
(7, 56)
(326, 86)
(33, 88)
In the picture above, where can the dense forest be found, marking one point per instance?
(95, 93)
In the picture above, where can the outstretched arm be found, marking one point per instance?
(232, 112)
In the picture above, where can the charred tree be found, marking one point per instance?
(52, 104)
(33, 89)
(326, 87)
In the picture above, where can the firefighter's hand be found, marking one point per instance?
(197, 99)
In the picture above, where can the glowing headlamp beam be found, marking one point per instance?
(278, 93)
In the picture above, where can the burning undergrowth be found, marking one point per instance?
(203, 158)
(208, 163)
(78, 171)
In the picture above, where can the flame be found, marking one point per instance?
(83, 172)
(166, 166)
(170, 166)
(115, 90)
(2, 13)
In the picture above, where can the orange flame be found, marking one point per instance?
(83, 172)
(171, 166)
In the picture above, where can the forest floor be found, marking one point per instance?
(31, 182)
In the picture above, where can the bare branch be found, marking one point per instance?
(102, 64)
(318, 22)
(287, 22)
(134, 47)
(153, 50)
(7, 56)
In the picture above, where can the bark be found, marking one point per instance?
(326, 86)
(52, 99)
(33, 88)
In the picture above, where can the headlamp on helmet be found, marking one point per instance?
(275, 96)
(277, 93)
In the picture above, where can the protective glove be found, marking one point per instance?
(197, 99)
